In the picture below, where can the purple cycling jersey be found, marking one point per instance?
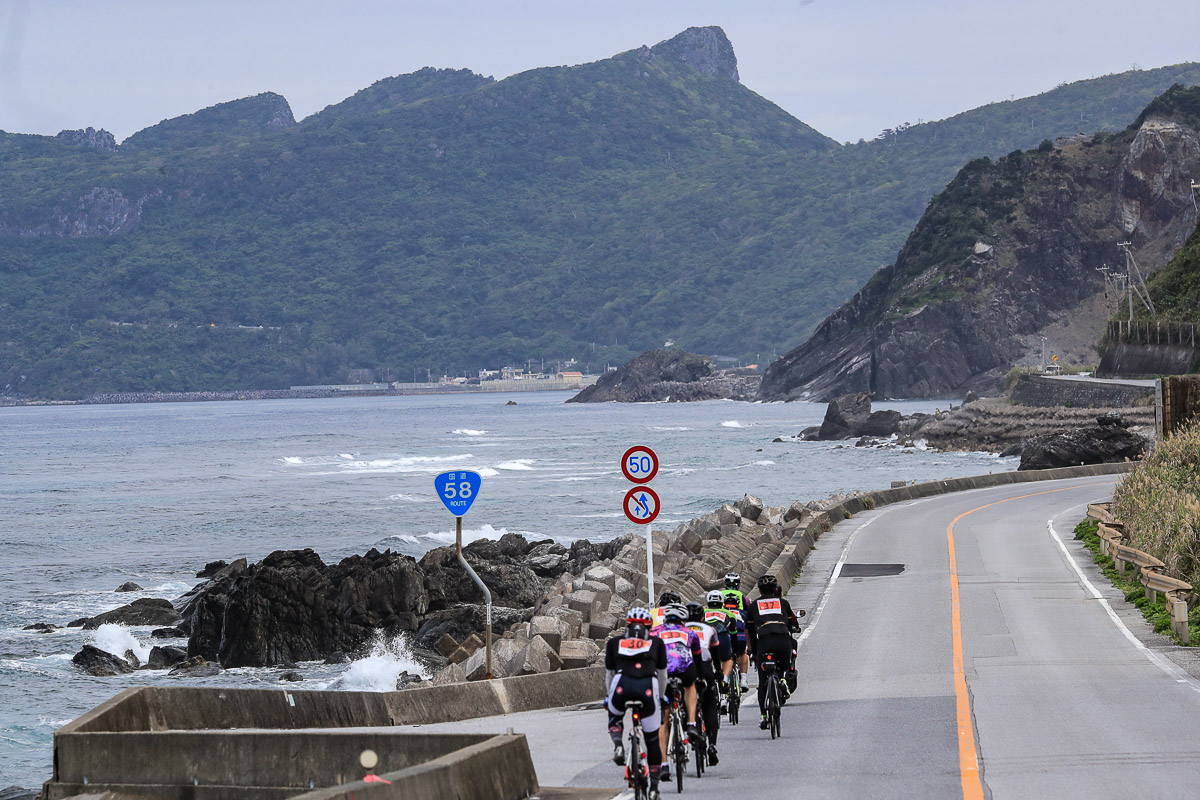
(683, 645)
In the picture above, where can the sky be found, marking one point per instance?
(849, 68)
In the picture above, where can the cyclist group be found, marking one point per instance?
(689, 644)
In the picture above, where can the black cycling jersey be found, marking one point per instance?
(637, 658)
(767, 616)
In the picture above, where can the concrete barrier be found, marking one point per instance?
(500, 767)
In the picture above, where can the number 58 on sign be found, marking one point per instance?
(457, 490)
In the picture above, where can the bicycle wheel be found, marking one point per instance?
(635, 775)
(735, 697)
(773, 705)
(679, 751)
(700, 747)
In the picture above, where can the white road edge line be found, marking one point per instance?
(1162, 662)
(837, 570)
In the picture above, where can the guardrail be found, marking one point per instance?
(1147, 568)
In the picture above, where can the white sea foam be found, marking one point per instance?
(668, 428)
(293, 459)
(408, 498)
(488, 472)
(921, 444)
(520, 464)
(347, 456)
(764, 463)
(468, 432)
(378, 671)
(418, 464)
(732, 423)
(117, 639)
(469, 534)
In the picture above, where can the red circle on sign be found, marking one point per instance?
(647, 453)
(651, 513)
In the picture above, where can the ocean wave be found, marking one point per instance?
(407, 538)
(764, 463)
(573, 479)
(488, 472)
(519, 464)
(468, 432)
(469, 534)
(417, 464)
(117, 639)
(407, 498)
(667, 428)
(732, 423)
(379, 670)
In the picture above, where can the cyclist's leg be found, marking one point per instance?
(651, 725)
(688, 677)
(616, 711)
(709, 704)
(759, 659)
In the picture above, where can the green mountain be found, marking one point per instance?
(445, 221)
(1007, 250)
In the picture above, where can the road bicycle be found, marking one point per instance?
(734, 693)
(774, 696)
(676, 737)
(637, 773)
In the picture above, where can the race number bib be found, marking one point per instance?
(633, 647)
(674, 637)
(770, 606)
(715, 616)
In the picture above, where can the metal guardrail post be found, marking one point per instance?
(487, 594)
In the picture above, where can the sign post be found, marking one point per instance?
(641, 505)
(457, 490)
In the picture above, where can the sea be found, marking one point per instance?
(92, 496)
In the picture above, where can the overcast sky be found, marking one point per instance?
(849, 68)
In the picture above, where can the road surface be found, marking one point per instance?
(1053, 694)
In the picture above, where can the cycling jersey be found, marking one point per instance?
(708, 639)
(682, 643)
(768, 616)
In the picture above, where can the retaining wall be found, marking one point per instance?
(1147, 360)
(1042, 392)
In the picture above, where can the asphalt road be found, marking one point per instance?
(1056, 697)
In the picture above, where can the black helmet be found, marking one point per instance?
(733, 580)
(768, 586)
(668, 597)
(695, 612)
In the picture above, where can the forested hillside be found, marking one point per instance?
(443, 221)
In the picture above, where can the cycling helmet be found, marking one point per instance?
(733, 580)
(639, 616)
(695, 612)
(768, 586)
(668, 597)
(715, 599)
(675, 612)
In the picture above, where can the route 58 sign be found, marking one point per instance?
(457, 490)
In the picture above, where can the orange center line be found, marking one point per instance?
(968, 754)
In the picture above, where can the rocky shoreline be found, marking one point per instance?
(673, 376)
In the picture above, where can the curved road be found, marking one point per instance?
(988, 665)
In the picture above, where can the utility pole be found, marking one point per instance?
(1131, 269)
(1043, 355)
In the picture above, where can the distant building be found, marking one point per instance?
(570, 377)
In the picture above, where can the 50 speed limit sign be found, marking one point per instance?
(639, 464)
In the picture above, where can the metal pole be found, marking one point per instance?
(487, 594)
(650, 564)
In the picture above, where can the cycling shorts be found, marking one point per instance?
(687, 677)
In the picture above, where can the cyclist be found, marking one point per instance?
(636, 670)
(683, 655)
(770, 623)
(724, 621)
(665, 599)
(714, 649)
(735, 603)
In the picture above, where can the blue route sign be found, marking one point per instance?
(457, 490)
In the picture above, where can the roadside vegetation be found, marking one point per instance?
(1155, 613)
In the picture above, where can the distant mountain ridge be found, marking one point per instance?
(444, 222)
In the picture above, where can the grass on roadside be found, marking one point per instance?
(1155, 613)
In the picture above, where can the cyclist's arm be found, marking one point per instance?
(723, 650)
(792, 622)
(610, 663)
(662, 668)
(751, 614)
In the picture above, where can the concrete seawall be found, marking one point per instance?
(1042, 392)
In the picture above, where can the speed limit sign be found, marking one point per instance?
(639, 464)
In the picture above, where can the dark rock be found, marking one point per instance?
(41, 627)
(865, 441)
(463, 620)
(845, 415)
(1100, 444)
(706, 50)
(970, 397)
(675, 375)
(291, 675)
(1112, 418)
(1012, 450)
(128, 586)
(165, 657)
(195, 667)
(143, 611)
(101, 663)
(881, 423)
(292, 607)
(17, 793)
(337, 657)
(211, 569)
(77, 623)
(176, 632)
(511, 403)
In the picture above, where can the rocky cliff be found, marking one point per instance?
(244, 118)
(706, 50)
(669, 375)
(1006, 249)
